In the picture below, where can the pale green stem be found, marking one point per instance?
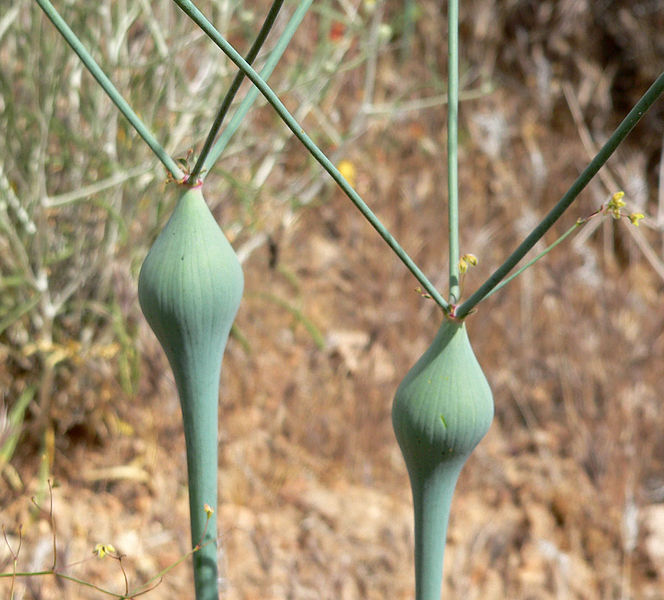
(432, 501)
(452, 134)
(542, 254)
(252, 94)
(235, 86)
(409, 14)
(106, 84)
(628, 123)
(190, 9)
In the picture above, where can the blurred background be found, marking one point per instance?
(564, 499)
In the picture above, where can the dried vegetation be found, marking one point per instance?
(563, 499)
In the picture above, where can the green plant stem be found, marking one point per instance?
(542, 254)
(452, 134)
(252, 94)
(410, 9)
(106, 84)
(67, 577)
(235, 86)
(190, 10)
(628, 123)
(144, 588)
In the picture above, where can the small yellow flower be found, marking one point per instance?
(209, 511)
(635, 218)
(467, 261)
(615, 204)
(347, 169)
(102, 550)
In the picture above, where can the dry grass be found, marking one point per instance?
(562, 500)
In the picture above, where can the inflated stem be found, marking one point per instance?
(441, 411)
(189, 288)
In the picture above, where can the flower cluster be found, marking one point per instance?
(466, 261)
(614, 208)
(102, 550)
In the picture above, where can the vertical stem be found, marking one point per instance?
(452, 128)
(409, 11)
(235, 86)
(199, 399)
(432, 501)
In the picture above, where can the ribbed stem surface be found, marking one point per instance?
(441, 411)
(190, 287)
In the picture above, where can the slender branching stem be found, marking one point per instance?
(628, 123)
(190, 9)
(106, 84)
(235, 86)
(542, 254)
(252, 94)
(452, 163)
